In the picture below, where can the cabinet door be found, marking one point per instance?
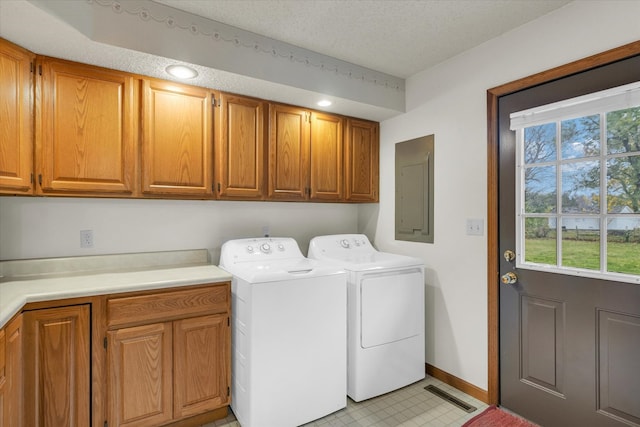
(240, 154)
(176, 141)
(11, 388)
(16, 117)
(202, 364)
(326, 157)
(85, 130)
(57, 367)
(3, 376)
(139, 386)
(361, 161)
(288, 152)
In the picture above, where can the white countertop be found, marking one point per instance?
(14, 294)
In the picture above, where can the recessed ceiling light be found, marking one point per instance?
(324, 103)
(181, 71)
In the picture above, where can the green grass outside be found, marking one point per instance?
(622, 257)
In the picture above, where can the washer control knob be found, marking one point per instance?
(280, 247)
(250, 249)
(344, 243)
(265, 248)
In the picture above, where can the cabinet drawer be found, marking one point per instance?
(169, 305)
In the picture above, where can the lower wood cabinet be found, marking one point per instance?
(162, 371)
(11, 384)
(139, 383)
(3, 375)
(135, 359)
(57, 367)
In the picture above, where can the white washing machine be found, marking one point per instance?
(386, 345)
(289, 332)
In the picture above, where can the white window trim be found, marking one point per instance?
(618, 98)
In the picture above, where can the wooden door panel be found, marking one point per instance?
(57, 357)
(326, 156)
(85, 132)
(288, 152)
(201, 364)
(361, 162)
(176, 142)
(16, 116)
(139, 384)
(240, 153)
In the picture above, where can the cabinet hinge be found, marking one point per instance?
(31, 179)
(31, 67)
(228, 322)
(228, 391)
(105, 342)
(40, 69)
(40, 179)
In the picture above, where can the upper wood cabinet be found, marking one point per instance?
(93, 132)
(57, 366)
(16, 119)
(305, 154)
(240, 147)
(85, 129)
(289, 152)
(361, 163)
(326, 157)
(176, 139)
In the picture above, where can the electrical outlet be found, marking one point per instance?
(475, 227)
(86, 238)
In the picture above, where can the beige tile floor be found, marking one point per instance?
(411, 406)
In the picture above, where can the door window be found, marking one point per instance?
(578, 173)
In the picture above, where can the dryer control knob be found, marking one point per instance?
(250, 249)
(265, 248)
(281, 246)
(344, 243)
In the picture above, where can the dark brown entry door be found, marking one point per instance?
(569, 346)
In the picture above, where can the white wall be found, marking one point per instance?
(40, 227)
(449, 101)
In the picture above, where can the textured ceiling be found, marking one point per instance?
(357, 53)
(397, 37)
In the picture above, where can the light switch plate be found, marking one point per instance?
(475, 227)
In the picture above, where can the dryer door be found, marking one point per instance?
(392, 306)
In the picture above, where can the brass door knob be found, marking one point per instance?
(509, 278)
(509, 255)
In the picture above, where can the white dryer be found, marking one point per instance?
(289, 332)
(386, 345)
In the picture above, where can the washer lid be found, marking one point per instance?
(270, 259)
(281, 270)
(354, 252)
